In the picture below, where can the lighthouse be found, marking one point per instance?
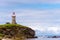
(13, 18)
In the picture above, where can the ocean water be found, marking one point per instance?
(44, 38)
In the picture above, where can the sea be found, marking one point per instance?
(40, 38)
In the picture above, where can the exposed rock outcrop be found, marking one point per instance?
(12, 30)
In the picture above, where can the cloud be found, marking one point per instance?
(34, 1)
(43, 20)
(49, 30)
(30, 4)
(42, 17)
(38, 18)
(54, 30)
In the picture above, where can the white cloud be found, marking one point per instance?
(13, 3)
(54, 30)
(7, 2)
(35, 16)
(49, 17)
(42, 20)
(34, 1)
(49, 30)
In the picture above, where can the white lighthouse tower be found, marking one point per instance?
(13, 18)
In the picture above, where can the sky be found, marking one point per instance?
(42, 15)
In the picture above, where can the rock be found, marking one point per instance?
(7, 39)
(14, 30)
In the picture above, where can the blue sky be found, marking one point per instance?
(40, 15)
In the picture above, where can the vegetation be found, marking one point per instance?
(16, 31)
(12, 25)
(7, 22)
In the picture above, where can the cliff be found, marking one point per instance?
(16, 30)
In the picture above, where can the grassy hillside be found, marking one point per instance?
(12, 25)
(16, 30)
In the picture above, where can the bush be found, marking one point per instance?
(7, 22)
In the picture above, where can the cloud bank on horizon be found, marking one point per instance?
(40, 15)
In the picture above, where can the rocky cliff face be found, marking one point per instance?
(12, 31)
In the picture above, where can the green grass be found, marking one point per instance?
(8, 26)
(12, 25)
(1, 35)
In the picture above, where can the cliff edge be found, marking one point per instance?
(16, 30)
